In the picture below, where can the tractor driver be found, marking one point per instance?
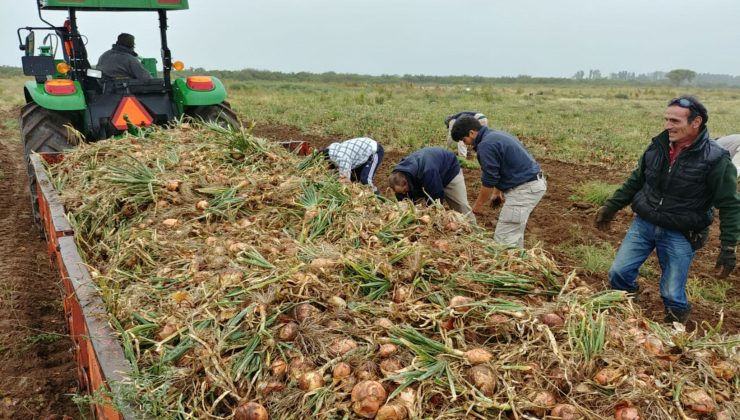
(120, 62)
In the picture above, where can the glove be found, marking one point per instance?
(498, 199)
(604, 217)
(726, 260)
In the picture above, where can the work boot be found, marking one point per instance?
(677, 315)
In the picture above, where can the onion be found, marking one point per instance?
(401, 294)
(477, 356)
(543, 400)
(288, 332)
(390, 366)
(607, 376)
(367, 371)
(627, 413)
(341, 347)
(452, 227)
(173, 185)
(698, 400)
(201, 205)
(653, 345)
(251, 411)
(341, 371)
(321, 263)
(565, 412)
(304, 311)
(441, 245)
(367, 397)
(299, 366)
(384, 323)
(279, 368)
(447, 324)
(387, 350)
(337, 302)
(392, 412)
(724, 370)
(267, 388)
(425, 219)
(459, 303)
(557, 377)
(310, 380)
(483, 378)
(552, 320)
(170, 222)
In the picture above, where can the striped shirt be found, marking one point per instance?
(351, 154)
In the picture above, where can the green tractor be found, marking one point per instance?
(69, 97)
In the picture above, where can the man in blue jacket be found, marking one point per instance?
(505, 164)
(432, 173)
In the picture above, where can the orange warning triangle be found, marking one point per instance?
(134, 111)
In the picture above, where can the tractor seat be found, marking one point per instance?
(133, 86)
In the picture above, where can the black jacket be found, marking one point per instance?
(681, 197)
(121, 63)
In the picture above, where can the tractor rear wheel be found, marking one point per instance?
(221, 114)
(42, 131)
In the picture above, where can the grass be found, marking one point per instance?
(594, 192)
(43, 338)
(596, 258)
(710, 290)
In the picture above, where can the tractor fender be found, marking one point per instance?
(186, 97)
(35, 92)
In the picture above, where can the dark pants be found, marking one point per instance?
(366, 172)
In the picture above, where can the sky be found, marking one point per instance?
(542, 38)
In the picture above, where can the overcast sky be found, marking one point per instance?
(434, 37)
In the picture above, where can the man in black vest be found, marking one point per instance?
(121, 62)
(679, 179)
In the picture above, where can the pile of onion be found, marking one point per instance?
(367, 398)
(251, 411)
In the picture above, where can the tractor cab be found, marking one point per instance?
(67, 91)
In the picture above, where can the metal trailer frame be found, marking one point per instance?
(102, 368)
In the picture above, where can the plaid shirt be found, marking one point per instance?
(350, 154)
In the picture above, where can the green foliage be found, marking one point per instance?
(593, 258)
(680, 75)
(711, 290)
(594, 192)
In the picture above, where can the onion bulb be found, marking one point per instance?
(565, 412)
(390, 366)
(392, 412)
(483, 378)
(367, 397)
(288, 332)
(384, 323)
(627, 413)
(341, 347)
(251, 411)
(387, 350)
(337, 302)
(542, 401)
(460, 303)
(304, 311)
(279, 368)
(653, 345)
(173, 185)
(477, 356)
(341, 371)
(201, 205)
(552, 320)
(367, 371)
(425, 219)
(698, 400)
(607, 376)
(310, 380)
(724, 370)
(299, 366)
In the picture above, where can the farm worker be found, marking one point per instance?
(731, 143)
(679, 178)
(462, 149)
(120, 62)
(356, 159)
(432, 173)
(505, 164)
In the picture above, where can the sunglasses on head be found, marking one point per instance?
(683, 103)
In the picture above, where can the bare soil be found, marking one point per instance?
(37, 373)
(558, 221)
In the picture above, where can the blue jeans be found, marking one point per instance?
(674, 255)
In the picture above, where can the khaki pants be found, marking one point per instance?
(520, 202)
(736, 161)
(456, 196)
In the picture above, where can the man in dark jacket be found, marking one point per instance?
(432, 173)
(505, 164)
(679, 178)
(120, 62)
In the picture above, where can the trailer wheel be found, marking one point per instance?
(221, 114)
(42, 131)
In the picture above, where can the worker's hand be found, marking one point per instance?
(344, 180)
(498, 199)
(604, 217)
(477, 210)
(726, 260)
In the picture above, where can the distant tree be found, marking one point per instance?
(679, 75)
(594, 74)
(579, 75)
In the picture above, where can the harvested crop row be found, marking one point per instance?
(248, 282)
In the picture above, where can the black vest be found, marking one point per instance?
(677, 197)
